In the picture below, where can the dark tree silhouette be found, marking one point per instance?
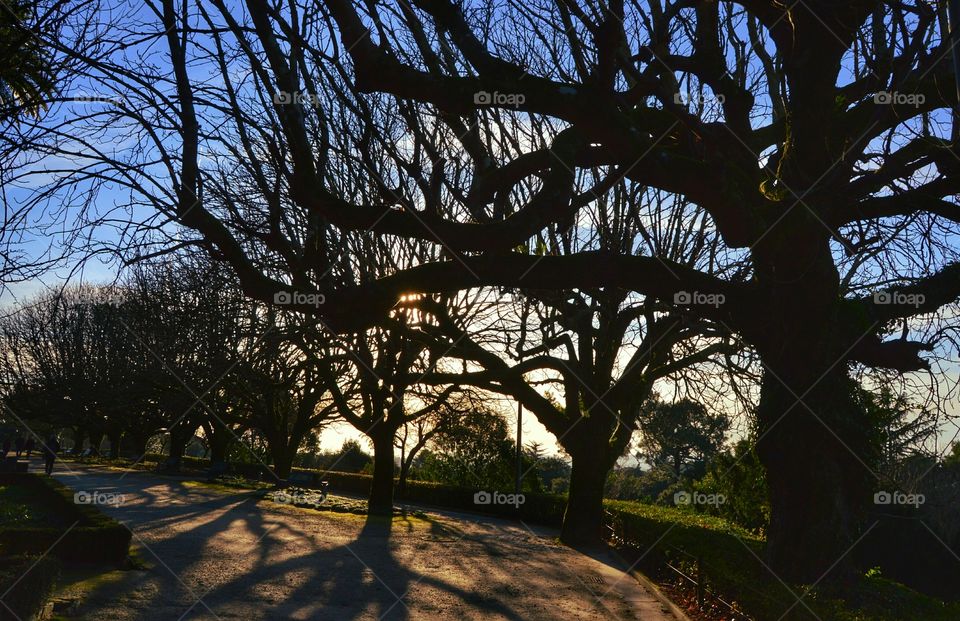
(681, 434)
(27, 75)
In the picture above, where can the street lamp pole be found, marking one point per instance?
(519, 447)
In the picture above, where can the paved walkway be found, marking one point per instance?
(215, 555)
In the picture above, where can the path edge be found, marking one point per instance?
(648, 584)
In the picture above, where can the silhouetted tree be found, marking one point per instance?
(681, 435)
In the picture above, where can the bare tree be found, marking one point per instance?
(416, 434)
(279, 391)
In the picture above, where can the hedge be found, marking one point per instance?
(96, 538)
(27, 582)
(685, 539)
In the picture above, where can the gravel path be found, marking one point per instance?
(216, 555)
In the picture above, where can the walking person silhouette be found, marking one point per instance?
(50, 448)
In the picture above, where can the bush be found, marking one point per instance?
(741, 478)
(27, 582)
(730, 558)
(682, 538)
(537, 507)
(94, 537)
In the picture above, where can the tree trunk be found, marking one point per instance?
(583, 519)
(381, 490)
(96, 439)
(114, 437)
(178, 443)
(218, 439)
(404, 472)
(813, 439)
(813, 452)
(218, 447)
(79, 435)
(179, 439)
(282, 460)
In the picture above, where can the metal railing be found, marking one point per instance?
(699, 581)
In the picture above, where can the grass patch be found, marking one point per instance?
(229, 486)
(312, 499)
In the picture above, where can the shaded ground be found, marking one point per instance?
(212, 554)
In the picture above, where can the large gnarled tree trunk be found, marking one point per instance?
(813, 439)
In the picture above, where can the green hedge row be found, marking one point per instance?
(96, 538)
(727, 554)
(540, 508)
(25, 583)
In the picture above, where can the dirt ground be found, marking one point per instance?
(212, 554)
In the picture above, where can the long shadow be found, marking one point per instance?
(360, 579)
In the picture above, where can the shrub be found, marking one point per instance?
(27, 582)
(93, 538)
(537, 507)
(683, 538)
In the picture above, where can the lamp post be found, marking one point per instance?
(519, 474)
(519, 447)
